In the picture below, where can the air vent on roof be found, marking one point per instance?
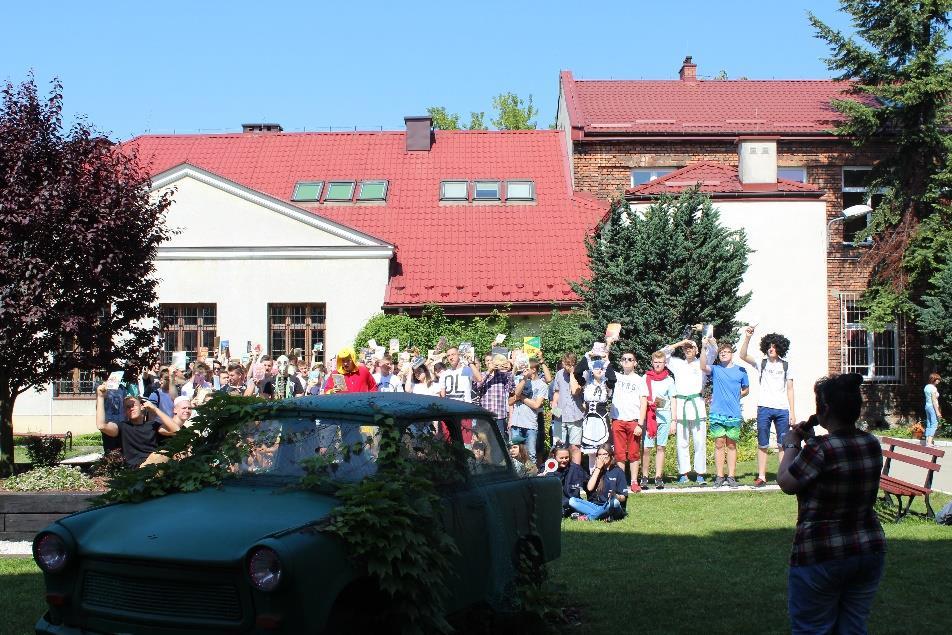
(261, 127)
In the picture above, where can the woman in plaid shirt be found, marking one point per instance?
(839, 547)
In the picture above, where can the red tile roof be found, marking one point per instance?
(788, 107)
(716, 178)
(464, 254)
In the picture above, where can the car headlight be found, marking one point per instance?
(264, 569)
(50, 552)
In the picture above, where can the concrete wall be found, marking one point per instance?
(787, 278)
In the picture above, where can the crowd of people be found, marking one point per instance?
(606, 421)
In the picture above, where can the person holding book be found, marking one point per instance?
(568, 409)
(527, 399)
(730, 385)
(629, 403)
(689, 414)
(657, 417)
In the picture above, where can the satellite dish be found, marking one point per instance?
(857, 210)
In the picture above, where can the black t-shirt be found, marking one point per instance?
(138, 441)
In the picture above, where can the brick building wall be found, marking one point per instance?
(604, 169)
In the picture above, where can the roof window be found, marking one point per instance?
(454, 190)
(340, 191)
(372, 191)
(307, 191)
(520, 191)
(486, 191)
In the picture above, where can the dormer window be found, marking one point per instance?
(520, 191)
(307, 191)
(454, 191)
(486, 191)
(340, 191)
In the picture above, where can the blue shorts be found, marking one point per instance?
(663, 418)
(781, 421)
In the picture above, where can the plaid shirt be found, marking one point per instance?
(839, 479)
(494, 391)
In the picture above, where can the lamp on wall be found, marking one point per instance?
(850, 212)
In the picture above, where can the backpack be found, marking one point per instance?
(944, 517)
(763, 365)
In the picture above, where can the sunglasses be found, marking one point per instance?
(627, 359)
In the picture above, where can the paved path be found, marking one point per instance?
(19, 548)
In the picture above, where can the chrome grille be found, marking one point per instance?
(182, 599)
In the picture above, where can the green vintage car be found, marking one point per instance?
(248, 557)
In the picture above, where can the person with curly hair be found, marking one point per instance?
(839, 547)
(775, 397)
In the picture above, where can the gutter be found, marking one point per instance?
(735, 195)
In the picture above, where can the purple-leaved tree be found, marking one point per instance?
(79, 231)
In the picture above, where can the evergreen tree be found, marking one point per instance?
(899, 63)
(659, 271)
(935, 320)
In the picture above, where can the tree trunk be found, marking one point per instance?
(7, 399)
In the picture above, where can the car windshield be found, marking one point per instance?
(279, 446)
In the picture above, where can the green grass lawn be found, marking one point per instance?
(717, 563)
(683, 563)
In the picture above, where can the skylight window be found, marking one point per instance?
(486, 191)
(340, 191)
(520, 191)
(454, 191)
(307, 191)
(372, 191)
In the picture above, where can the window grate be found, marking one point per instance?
(878, 357)
(293, 326)
(188, 327)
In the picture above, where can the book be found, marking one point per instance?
(500, 338)
(532, 346)
(112, 383)
(394, 345)
(612, 331)
(180, 360)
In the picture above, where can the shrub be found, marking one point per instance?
(61, 477)
(44, 451)
(110, 465)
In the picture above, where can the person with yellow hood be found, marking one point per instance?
(349, 376)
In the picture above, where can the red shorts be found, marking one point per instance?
(627, 445)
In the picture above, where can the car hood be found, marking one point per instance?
(214, 525)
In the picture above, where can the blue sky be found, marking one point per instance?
(134, 67)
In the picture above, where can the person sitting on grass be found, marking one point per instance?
(839, 546)
(520, 460)
(730, 385)
(605, 488)
(573, 476)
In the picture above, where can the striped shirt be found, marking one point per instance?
(839, 479)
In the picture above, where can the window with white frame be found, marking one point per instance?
(640, 176)
(875, 356)
(856, 191)
(793, 174)
(454, 190)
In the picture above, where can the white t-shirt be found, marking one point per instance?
(626, 399)
(688, 376)
(458, 383)
(663, 388)
(772, 388)
(422, 389)
(388, 383)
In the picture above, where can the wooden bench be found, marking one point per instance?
(893, 486)
(67, 436)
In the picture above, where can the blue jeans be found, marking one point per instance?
(932, 421)
(781, 421)
(531, 437)
(596, 511)
(834, 596)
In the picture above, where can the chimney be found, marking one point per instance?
(419, 133)
(688, 72)
(757, 160)
(261, 127)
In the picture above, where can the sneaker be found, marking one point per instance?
(581, 517)
(760, 482)
(659, 482)
(684, 480)
(701, 481)
(634, 488)
(643, 481)
(732, 482)
(719, 481)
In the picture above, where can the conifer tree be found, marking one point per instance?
(658, 271)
